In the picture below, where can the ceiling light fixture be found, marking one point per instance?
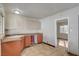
(17, 11)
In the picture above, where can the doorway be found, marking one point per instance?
(62, 33)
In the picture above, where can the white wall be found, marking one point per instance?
(2, 24)
(49, 28)
(17, 24)
(2, 21)
(0, 30)
(78, 32)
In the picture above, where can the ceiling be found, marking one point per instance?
(39, 10)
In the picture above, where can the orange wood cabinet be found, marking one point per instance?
(39, 38)
(12, 48)
(27, 41)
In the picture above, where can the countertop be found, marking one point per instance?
(12, 38)
(17, 37)
(24, 34)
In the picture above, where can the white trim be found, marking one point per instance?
(56, 29)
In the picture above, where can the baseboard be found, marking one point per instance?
(48, 44)
(72, 54)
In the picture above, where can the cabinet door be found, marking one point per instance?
(28, 41)
(12, 48)
(39, 38)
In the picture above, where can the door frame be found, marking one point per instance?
(56, 42)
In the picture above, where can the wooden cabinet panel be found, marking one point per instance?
(12, 48)
(27, 41)
(39, 38)
(22, 44)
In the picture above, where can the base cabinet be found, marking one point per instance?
(27, 41)
(39, 38)
(12, 48)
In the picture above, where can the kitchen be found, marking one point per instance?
(32, 29)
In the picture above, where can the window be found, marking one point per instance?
(64, 29)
